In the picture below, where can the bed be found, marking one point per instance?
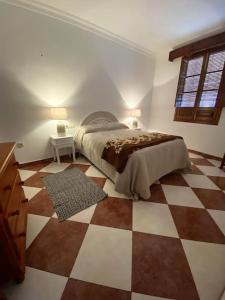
(144, 167)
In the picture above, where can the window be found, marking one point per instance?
(201, 88)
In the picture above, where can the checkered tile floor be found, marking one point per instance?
(169, 247)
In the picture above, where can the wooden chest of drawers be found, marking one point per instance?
(13, 217)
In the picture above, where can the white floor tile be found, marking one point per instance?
(83, 216)
(212, 171)
(193, 155)
(157, 182)
(82, 160)
(37, 285)
(35, 224)
(199, 181)
(94, 172)
(54, 167)
(25, 174)
(216, 163)
(181, 195)
(207, 263)
(105, 257)
(30, 192)
(219, 218)
(109, 188)
(136, 296)
(154, 218)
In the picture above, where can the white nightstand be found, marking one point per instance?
(59, 142)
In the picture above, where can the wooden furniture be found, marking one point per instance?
(59, 142)
(223, 162)
(13, 217)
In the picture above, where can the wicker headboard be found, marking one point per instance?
(99, 117)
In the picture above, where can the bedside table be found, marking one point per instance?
(60, 142)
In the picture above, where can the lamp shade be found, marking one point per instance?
(58, 113)
(135, 113)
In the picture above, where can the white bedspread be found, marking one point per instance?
(144, 166)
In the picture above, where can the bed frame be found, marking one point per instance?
(99, 117)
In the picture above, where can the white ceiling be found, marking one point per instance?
(150, 24)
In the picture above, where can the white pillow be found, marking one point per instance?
(103, 127)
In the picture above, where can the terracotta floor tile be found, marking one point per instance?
(83, 168)
(36, 180)
(201, 161)
(157, 194)
(56, 247)
(219, 181)
(99, 181)
(81, 290)
(173, 179)
(40, 204)
(211, 198)
(196, 224)
(160, 268)
(113, 212)
(35, 166)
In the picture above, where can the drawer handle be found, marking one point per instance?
(8, 188)
(21, 182)
(21, 234)
(16, 164)
(14, 213)
(24, 200)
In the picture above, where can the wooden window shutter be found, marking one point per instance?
(201, 88)
(189, 82)
(212, 93)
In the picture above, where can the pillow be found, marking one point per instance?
(103, 127)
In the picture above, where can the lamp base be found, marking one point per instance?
(61, 129)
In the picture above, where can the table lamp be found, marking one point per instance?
(59, 114)
(134, 114)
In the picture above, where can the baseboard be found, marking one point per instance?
(35, 162)
(205, 155)
(45, 160)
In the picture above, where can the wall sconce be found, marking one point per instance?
(59, 113)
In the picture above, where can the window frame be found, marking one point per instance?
(197, 114)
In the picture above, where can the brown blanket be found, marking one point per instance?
(117, 151)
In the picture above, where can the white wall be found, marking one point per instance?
(45, 62)
(209, 139)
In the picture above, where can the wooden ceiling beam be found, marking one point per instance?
(204, 44)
